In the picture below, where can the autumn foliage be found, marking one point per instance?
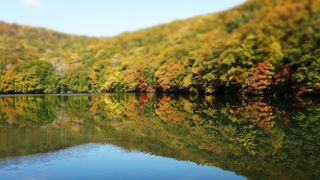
(258, 80)
(259, 47)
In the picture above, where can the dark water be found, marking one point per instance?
(144, 136)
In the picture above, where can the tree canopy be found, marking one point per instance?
(261, 46)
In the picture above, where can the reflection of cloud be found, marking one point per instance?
(39, 178)
(16, 163)
(36, 3)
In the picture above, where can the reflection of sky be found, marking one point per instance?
(105, 18)
(97, 161)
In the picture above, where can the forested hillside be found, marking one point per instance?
(259, 47)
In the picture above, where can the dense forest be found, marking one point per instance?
(259, 47)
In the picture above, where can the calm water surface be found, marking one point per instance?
(144, 136)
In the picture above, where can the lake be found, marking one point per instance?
(148, 136)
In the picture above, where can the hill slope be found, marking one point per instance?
(262, 46)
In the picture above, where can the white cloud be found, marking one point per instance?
(34, 3)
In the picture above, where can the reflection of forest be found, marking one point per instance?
(257, 138)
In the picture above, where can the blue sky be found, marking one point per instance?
(105, 17)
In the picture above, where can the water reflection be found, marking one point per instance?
(255, 137)
(99, 161)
